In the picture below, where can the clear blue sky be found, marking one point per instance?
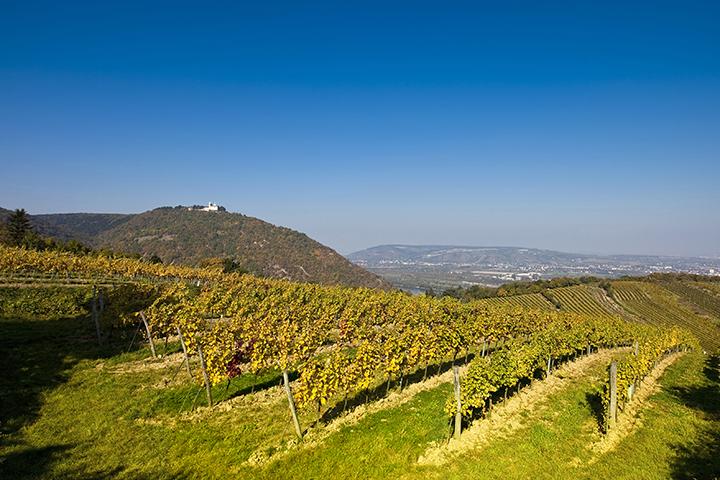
(563, 126)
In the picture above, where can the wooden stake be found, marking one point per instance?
(458, 411)
(547, 372)
(184, 349)
(147, 330)
(291, 401)
(101, 301)
(96, 315)
(612, 415)
(206, 378)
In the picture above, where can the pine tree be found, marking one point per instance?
(19, 227)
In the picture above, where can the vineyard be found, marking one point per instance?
(627, 375)
(694, 293)
(713, 288)
(314, 360)
(531, 301)
(62, 265)
(583, 299)
(658, 306)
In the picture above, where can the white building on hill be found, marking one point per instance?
(211, 207)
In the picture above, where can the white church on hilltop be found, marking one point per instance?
(211, 207)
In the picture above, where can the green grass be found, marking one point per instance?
(67, 413)
(678, 437)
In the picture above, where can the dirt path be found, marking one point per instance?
(506, 418)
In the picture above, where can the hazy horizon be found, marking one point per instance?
(575, 128)
(455, 245)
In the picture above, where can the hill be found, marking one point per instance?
(179, 235)
(84, 227)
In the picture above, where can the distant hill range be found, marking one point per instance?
(419, 267)
(180, 235)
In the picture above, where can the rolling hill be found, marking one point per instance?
(84, 227)
(179, 235)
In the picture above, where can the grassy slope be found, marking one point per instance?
(676, 439)
(65, 413)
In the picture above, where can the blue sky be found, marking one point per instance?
(576, 127)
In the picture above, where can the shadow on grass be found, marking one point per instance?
(274, 380)
(594, 401)
(382, 390)
(701, 458)
(36, 357)
(32, 463)
(187, 397)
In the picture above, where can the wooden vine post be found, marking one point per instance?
(185, 352)
(612, 414)
(147, 330)
(631, 387)
(291, 401)
(101, 301)
(96, 314)
(206, 378)
(458, 401)
(549, 366)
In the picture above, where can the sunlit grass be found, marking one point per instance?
(69, 410)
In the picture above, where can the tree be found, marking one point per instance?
(18, 228)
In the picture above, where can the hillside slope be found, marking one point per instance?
(179, 235)
(188, 237)
(83, 227)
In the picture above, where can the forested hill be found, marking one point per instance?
(84, 227)
(190, 237)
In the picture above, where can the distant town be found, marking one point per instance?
(417, 268)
